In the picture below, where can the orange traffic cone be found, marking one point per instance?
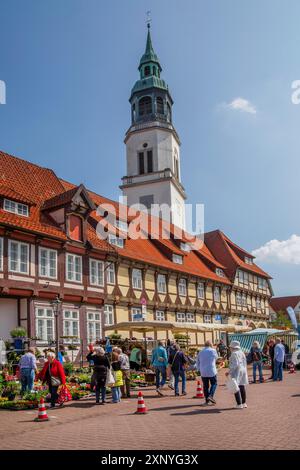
(141, 408)
(292, 368)
(199, 393)
(42, 415)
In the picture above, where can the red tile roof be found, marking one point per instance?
(281, 303)
(46, 190)
(230, 254)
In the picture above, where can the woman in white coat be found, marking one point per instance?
(238, 371)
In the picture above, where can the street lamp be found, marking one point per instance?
(56, 309)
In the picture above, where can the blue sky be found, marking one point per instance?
(69, 66)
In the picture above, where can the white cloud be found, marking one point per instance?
(285, 251)
(241, 104)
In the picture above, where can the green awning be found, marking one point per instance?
(246, 340)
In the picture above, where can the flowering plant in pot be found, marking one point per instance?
(18, 334)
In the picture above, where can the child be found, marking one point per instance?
(118, 375)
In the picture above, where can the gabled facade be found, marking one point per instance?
(251, 288)
(46, 251)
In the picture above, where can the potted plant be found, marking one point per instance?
(18, 334)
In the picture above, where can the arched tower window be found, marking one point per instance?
(145, 106)
(176, 165)
(154, 71)
(169, 112)
(147, 71)
(133, 112)
(160, 105)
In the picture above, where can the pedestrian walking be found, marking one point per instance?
(279, 355)
(28, 368)
(118, 376)
(100, 366)
(125, 368)
(238, 372)
(256, 357)
(54, 375)
(206, 365)
(159, 361)
(178, 361)
(135, 358)
(170, 348)
(271, 354)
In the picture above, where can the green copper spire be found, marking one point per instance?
(149, 55)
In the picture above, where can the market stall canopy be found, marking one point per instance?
(261, 335)
(146, 326)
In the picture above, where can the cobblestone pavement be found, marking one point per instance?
(270, 422)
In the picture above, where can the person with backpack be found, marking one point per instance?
(178, 361)
(256, 357)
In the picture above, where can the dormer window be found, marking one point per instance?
(75, 227)
(177, 259)
(122, 225)
(114, 240)
(16, 207)
(248, 260)
(185, 247)
(220, 272)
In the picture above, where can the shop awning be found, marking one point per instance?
(147, 326)
(259, 334)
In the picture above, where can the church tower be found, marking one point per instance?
(152, 143)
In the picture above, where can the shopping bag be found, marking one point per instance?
(64, 395)
(110, 380)
(232, 385)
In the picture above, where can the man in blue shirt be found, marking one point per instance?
(206, 365)
(28, 368)
(279, 354)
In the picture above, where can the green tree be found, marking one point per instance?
(282, 320)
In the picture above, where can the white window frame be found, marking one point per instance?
(115, 240)
(261, 283)
(185, 247)
(201, 290)
(217, 294)
(136, 311)
(1, 253)
(137, 279)
(72, 275)
(16, 207)
(110, 274)
(220, 272)
(93, 324)
(182, 287)
(97, 277)
(177, 259)
(207, 318)
(190, 317)
(47, 315)
(48, 270)
(180, 317)
(73, 319)
(258, 303)
(108, 314)
(248, 260)
(161, 284)
(238, 299)
(18, 268)
(160, 315)
(244, 300)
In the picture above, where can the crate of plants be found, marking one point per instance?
(137, 379)
(78, 391)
